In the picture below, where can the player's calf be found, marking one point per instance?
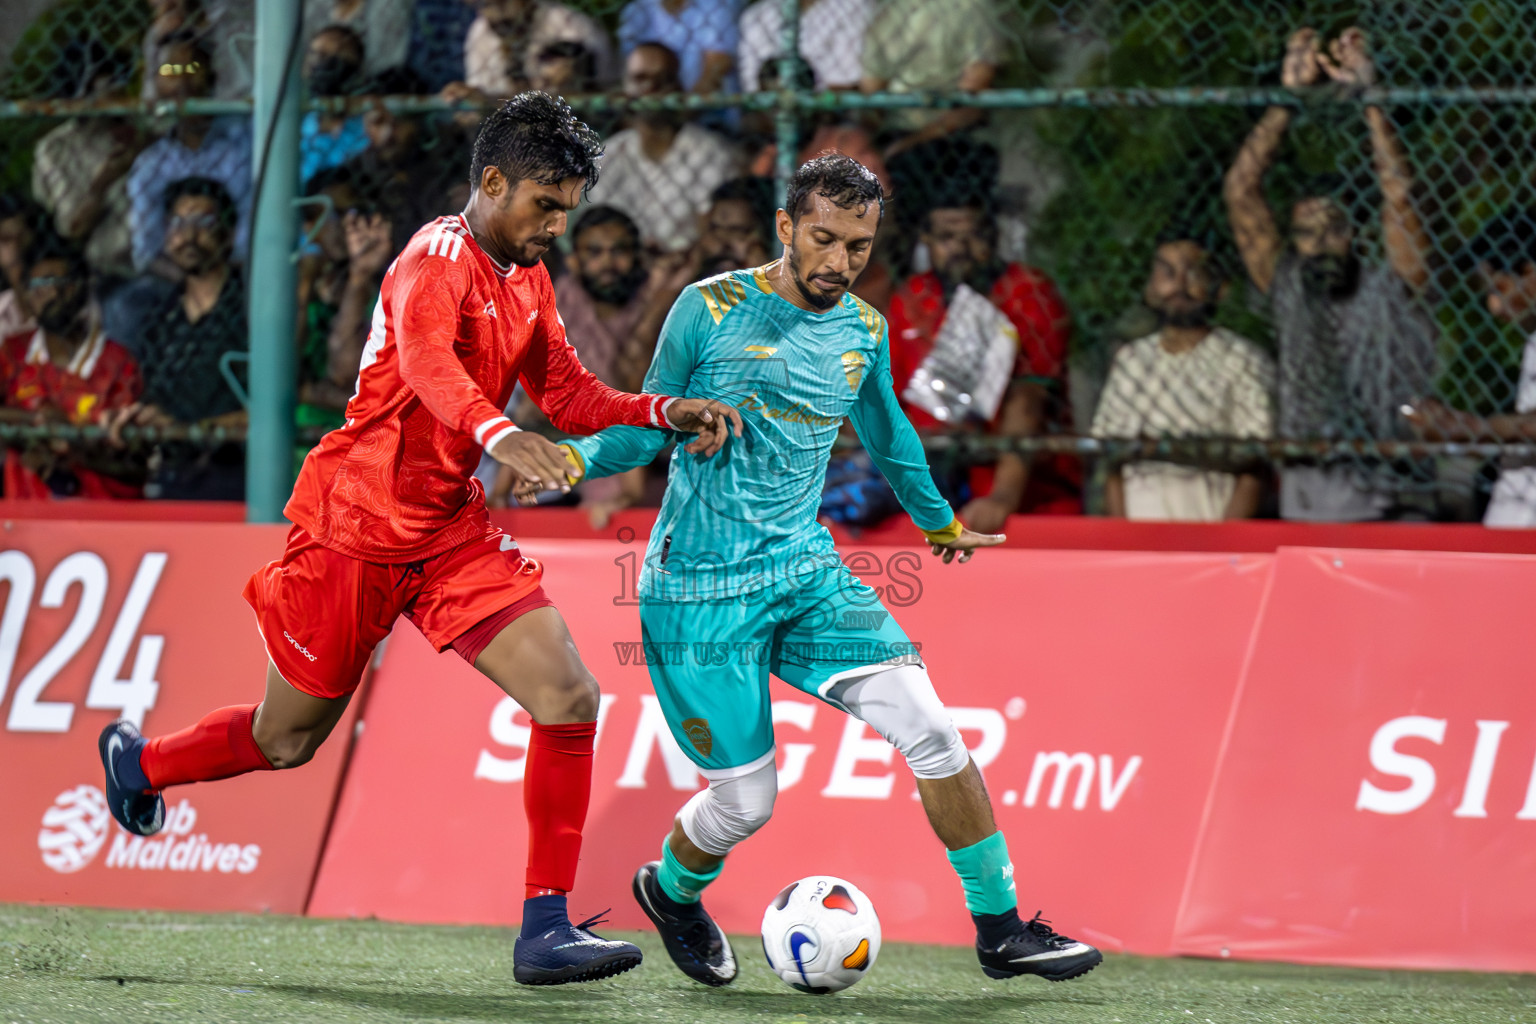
(288, 747)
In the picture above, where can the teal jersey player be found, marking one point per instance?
(739, 566)
(746, 519)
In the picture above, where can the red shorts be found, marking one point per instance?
(322, 613)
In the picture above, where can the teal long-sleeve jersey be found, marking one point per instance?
(745, 518)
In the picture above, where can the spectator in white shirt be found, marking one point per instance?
(662, 171)
(831, 40)
(1189, 379)
(1505, 255)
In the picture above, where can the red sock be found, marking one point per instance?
(557, 783)
(219, 746)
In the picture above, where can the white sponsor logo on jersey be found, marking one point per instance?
(298, 646)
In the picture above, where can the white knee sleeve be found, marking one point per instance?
(736, 804)
(901, 705)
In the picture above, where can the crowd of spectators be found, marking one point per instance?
(122, 295)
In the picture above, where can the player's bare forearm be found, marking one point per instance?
(1253, 223)
(1403, 232)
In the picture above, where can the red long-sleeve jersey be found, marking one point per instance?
(452, 333)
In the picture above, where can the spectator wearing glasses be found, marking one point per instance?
(216, 148)
(185, 345)
(66, 371)
(225, 28)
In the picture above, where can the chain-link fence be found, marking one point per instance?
(1179, 260)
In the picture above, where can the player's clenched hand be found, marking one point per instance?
(539, 465)
(968, 541)
(713, 421)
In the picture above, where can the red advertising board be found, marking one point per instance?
(1099, 751)
(1375, 802)
(137, 620)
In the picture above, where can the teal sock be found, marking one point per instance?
(679, 884)
(987, 875)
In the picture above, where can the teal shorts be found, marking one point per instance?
(710, 660)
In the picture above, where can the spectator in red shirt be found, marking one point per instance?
(962, 247)
(65, 371)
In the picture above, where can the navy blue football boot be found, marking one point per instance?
(552, 951)
(136, 807)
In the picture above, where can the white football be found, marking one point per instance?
(820, 934)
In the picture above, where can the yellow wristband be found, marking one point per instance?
(945, 535)
(577, 462)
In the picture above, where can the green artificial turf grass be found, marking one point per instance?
(70, 966)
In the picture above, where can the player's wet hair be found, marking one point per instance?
(842, 179)
(536, 137)
(206, 188)
(597, 216)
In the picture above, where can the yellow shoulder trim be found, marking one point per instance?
(721, 295)
(760, 276)
(870, 316)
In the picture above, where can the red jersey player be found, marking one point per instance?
(389, 521)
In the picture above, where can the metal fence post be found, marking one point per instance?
(786, 120)
(272, 276)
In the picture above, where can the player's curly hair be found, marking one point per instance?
(535, 136)
(839, 178)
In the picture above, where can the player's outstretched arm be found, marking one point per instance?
(894, 446)
(618, 449)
